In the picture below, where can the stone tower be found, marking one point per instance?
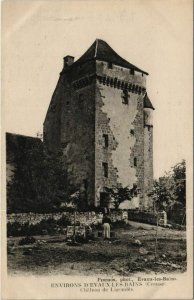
(100, 117)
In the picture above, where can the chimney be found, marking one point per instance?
(68, 61)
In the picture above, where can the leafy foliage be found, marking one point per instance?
(39, 183)
(169, 192)
(49, 226)
(78, 200)
(120, 194)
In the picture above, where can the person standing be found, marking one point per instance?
(106, 227)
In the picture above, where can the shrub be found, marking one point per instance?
(120, 224)
(27, 240)
(16, 229)
(49, 226)
(64, 221)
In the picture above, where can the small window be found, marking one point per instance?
(135, 161)
(132, 131)
(132, 72)
(105, 138)
(109, 65)
(105, 169)
(125, 97)
(135, 190)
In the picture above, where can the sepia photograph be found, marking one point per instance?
(97, 149)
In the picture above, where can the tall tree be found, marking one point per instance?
(169, 191)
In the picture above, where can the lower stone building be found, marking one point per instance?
(21, 152)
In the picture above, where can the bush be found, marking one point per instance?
(142, 216)
(49, 226)
(16, 229)
(67, 209)
(178, 226)
(95, 209)
(64, 221)
(96, 226)
(81, 239)
(27, 241)
(120, 224)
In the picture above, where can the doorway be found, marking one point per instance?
(104, 199)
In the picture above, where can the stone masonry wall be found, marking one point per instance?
(103, 154)
(82, 110)
(124, 125)
(52, 123)
(69, 127)
(138, 149)
(85, 218)
(148, 165)
(77, 138)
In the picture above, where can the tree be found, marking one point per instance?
(50, 182)
(120, 194)
(179, 177)
(21, 192)
(169, 191)
(39, 183)
(161, 194)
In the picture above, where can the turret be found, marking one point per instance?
(148, 111)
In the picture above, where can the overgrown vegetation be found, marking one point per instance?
(49, 226)
(39, 183)
(120, 194)
(169, 193)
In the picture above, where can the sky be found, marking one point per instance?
(154, 35)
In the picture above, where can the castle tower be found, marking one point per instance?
(101, 118)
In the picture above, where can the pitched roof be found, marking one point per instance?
(18, 147)
(147, 102)
(16, 142)
(102, 51)
(21, 137)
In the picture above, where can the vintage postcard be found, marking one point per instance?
(97, 194)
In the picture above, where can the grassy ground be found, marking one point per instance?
(119, 256)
